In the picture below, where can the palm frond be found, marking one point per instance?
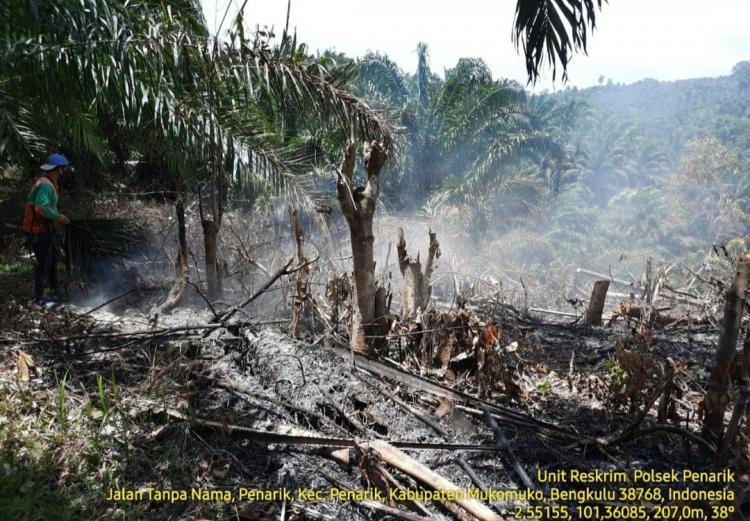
(552, 30)
(88, 241)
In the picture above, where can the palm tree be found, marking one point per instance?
(153, 72)
(484, 138)
(465, 132)
(607, 162)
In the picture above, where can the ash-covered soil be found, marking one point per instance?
(564, 395)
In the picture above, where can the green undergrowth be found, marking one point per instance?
(60, 455)
(16, 265)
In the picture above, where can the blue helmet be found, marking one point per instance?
(54, 161)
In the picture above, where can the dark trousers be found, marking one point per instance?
(46, 263)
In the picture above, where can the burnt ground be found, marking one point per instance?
(99, 399)
(160, 409)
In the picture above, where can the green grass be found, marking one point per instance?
(54, 462)
(29, 492)
(16, 266)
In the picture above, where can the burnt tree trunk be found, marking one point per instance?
(301, 299)
(213, 274)
(716, 399)
(179, 287)
(369, 303)
(416, 289)
(212, 224)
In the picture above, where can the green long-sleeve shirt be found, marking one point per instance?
(45, 199)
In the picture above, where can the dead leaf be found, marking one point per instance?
(491, 334)
(444, 408)
(24, 366)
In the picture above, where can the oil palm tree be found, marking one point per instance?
(154, 70)
(464, 132)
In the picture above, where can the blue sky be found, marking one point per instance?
(634, 39)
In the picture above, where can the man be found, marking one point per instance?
(40, 214)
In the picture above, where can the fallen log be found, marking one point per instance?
(398, 459)
(374, 473)
(661, 317)
(553, 312)
(296, 436)
(602, 276)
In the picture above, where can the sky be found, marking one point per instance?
(633, 40)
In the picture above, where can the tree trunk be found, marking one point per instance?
(716, 399)
(213, 274)
(301, 299)
(179, 287)
(369, 303)
(212, 225)
(416, 289)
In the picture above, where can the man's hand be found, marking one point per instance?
(63, 220)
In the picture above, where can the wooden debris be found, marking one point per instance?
(341, 456)
(740, 408)
(661, 317)
(391, 511)
(426, 476)
(284, 270)
(552, 312)
(442, 391)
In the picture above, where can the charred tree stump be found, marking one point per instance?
(740, 406)
(666, 407)
(596, 305)
(716, 399)
(416, 289)
(358, 204)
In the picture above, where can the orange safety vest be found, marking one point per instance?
(33, 217)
